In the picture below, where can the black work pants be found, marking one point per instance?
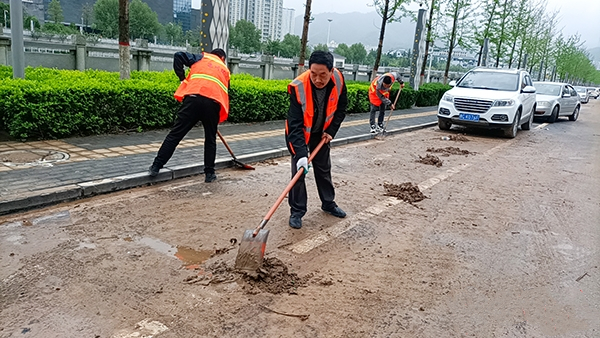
(374, 110)
(194, 108)
(321, 167)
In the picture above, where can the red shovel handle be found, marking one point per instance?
(287, 189)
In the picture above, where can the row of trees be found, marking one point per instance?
(521, 33)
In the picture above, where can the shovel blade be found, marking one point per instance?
(252, 251)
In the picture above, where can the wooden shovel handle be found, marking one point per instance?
(287, 189)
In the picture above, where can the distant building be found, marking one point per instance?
(73, 9)
(288, 20)
(266, 15)
(183, 14)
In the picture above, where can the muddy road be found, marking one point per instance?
(503, 242)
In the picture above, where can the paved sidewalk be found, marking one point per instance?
(81, 167)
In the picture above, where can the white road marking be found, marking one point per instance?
(328, 234)
(143, 329)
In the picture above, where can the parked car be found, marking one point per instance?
(556, 99)
(490, 98)
(584, 96)
(594, 92)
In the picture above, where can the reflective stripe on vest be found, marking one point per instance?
(208, 77)
(302, 87)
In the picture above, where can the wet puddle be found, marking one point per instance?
(60, 218)
(190, 258)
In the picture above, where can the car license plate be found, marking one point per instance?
(468, 117)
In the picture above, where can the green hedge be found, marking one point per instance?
(51, 103)
(430, 94)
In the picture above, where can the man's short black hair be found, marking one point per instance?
(219, 52)
(387, 79)
(321, 58)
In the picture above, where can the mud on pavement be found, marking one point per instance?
(157, 261)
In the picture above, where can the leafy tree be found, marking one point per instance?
(143, 21)
(55, 12)
(174, 33)
(459, 12)
(343, 50)
(358, 53)
(245, 37)
(28, 20)
(387, 11)
(193, 37)
(322, 47)
(290, 46)
(87, 14)
(4, 7)
(272, 47)
(106, 17)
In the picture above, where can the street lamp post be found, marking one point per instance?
(328, 30)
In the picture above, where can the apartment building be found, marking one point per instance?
(266, 15)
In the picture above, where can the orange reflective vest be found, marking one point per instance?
(373, 98)
(208, 77)
(303, 90)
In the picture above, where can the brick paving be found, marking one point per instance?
(105, 163)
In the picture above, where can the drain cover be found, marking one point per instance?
(32, 157)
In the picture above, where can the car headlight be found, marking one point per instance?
(448, 97)
(543, 104)
(504, 103)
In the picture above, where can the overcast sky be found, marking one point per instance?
(576, 16)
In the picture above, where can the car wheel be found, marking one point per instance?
(511, 132)
(554, 116)
(444, 125)
(575, 115)
(527, 125)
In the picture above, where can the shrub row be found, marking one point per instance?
(52, 103)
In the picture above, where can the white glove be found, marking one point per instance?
(387, 102)
(302, 163)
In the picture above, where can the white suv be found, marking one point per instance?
(490, 98)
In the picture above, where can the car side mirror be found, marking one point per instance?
(566, 95)
(452, 83)
(528, 90)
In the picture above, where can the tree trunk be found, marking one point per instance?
(304, 40)
(124, 64)
(429, 23)
(384, 19)
(486, 32)
(501, 35)
(451, 45)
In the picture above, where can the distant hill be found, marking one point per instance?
(350, 28)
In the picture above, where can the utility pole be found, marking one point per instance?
(328, 30)
(16, 38)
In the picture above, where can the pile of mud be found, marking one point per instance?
(273, 277)
(430, 160)
(449, 151)
(407, 192)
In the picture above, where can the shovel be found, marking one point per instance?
(234, 160)
(381, 134)
(252, 247)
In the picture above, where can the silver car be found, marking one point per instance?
(584, 95)
(556, 99)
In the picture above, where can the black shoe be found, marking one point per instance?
(335, 211)
(210, 177)
(295, 222)
(153, 170)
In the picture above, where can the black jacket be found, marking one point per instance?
(295, 119)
